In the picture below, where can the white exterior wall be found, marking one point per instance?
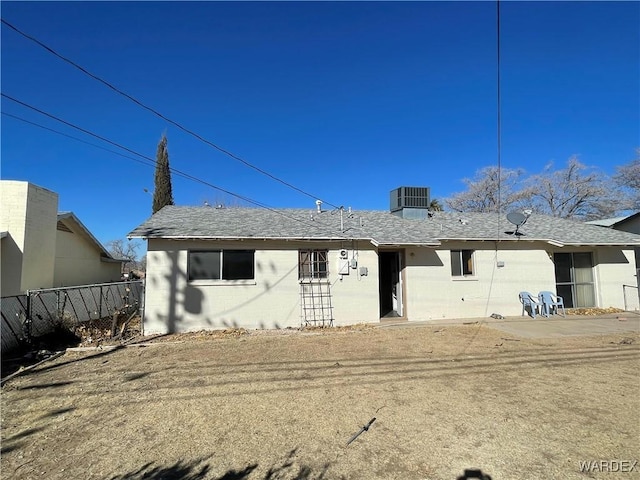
(355, 296)
(271, 300)
(613, 269)
(29, 214)
(433, 293)
(78, 261)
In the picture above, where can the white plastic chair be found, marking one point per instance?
(530, 301)
(550, 302)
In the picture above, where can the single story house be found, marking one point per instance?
(41, 248)
(211, 268)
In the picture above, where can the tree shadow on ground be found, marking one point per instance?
(40, 347)
(32, 358)
(193, 470)
(199, 470)
(9, 444)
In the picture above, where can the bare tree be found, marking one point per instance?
(127, 250)
(227, 201)
(492, 189)
(627, 178)
(573, 192)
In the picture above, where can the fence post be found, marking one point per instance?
(26, 327)
(141, 299)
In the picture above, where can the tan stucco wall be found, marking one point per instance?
(10, 267)
(13, 200)
(78, 261)
(271, 301)
(29, 214)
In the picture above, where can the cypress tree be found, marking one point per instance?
(162, 194)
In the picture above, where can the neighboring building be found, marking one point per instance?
(630, 223)
(41, 248)
(211, 268)
(80, 257)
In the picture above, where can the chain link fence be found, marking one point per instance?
(14, 316)
(102, 307)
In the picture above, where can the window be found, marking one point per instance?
(312, 264)
(461, 263)
(221, 265)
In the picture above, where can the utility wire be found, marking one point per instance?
(57, 132)
(149, 159)
(42, 112)
(499, 115)
(155, 112)
(499, 201)
(152, 162)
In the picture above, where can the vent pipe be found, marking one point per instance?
(319, 206)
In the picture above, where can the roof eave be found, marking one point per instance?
(70, 215)
(406, 244)
(237, 238)
(603, 244)
(113, 260)
(373, 241)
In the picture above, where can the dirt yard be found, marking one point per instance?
(282, 405)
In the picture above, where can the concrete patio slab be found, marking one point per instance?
(555, 326)
(542, 327)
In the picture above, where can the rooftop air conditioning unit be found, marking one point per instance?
(409, 197)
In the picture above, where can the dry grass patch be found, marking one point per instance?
(244, 405)
(592, 311)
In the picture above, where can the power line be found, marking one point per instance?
(67, 135)
(160, 115)
(71, 137)
(152, 162)
(42, 112)
(498, 108)
(149, 163)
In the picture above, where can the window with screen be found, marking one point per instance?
(221, 265)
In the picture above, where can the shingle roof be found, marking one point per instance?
(379, 227)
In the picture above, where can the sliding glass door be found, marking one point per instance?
(574, 279)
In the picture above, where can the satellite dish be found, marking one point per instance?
(516, 218)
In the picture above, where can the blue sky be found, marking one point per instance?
(346, 101)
